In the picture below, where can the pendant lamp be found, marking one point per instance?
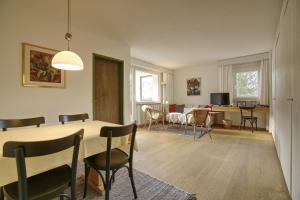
(67, 60)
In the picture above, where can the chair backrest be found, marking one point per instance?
(14, 123)
(200, 116)
(118, 131)
(147, 110)
(247, 109)
(76, 117)
(21, 150)
(240, 103)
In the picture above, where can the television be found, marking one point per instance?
(219, 98)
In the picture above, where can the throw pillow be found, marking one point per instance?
(179, 108)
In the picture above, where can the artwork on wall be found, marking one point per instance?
(193, 86)
(37, 69)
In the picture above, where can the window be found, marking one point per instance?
(247, 84)
(246, 81)
(147, 86)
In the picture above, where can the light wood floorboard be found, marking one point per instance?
(235, 165)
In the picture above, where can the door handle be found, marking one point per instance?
(290, 99)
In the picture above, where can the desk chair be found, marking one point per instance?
(252, 119)
(112, 159)
(46, 185)
(14, 123)
(69, 118)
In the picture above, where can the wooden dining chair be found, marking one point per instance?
(14, 123)
(251, 118)
(241, 103)
(199, 120)
(46, 185)
(112, 159)
(69, 118)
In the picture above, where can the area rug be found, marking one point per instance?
(148, 188)
(177, 130)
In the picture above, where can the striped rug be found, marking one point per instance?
(148, 188)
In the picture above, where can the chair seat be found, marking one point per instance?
(46, 185)
(118, 159)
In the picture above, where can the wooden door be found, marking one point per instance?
(108, 90)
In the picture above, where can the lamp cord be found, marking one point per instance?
(68, 35)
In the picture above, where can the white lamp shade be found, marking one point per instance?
(67, 60)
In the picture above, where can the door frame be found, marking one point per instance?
(121, 83)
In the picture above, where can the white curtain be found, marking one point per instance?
(264, 82)
(168, 87)
(226, 80)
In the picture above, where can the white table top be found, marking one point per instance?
(91, 144)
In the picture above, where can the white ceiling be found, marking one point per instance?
(179, 33)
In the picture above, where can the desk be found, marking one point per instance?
(261, 111)
(232, 109)
(91, 144)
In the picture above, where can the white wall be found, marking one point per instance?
(21, 22)
(209, 83)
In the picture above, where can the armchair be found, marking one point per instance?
(152, 116)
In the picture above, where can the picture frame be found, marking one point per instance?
(193, 86)
(37, 69)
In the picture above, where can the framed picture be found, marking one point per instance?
(193, 86)
(37, 69)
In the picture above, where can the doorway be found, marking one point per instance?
(108, 89)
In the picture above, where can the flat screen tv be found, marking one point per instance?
(219, 98)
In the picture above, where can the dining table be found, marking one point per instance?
(91, 144)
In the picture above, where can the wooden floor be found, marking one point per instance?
(236, 165)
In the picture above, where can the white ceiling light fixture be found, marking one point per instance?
(67, 60)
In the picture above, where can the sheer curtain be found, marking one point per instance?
(226, 80)
(169, 88)
(264, 82)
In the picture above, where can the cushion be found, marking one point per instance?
(179, 108)
(172, 107)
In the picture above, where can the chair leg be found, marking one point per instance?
(86, 176)
(113, 176)
(241, 124)
(209, 135)
(244, 124)
(150, 122)
(256, 124)
(61, 197)
(131, 180)
(194, 132)
(107, 185)
(1, 193)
